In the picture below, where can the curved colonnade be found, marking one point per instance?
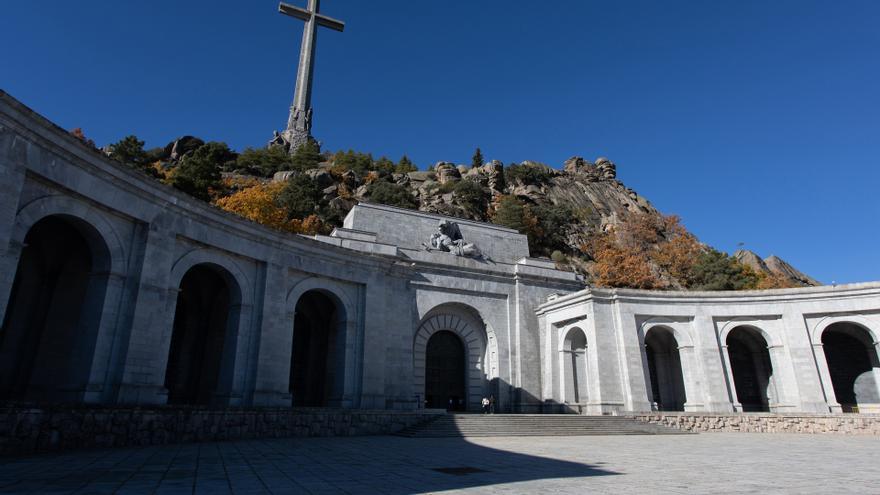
(115, 289)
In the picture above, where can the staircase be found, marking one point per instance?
(522, 425)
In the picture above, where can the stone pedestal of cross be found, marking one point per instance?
(299, 123)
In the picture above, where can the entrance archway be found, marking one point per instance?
(51, 324)
(318, 356)
(445, 372)
(203, 322)
(664, 368)
(751, 368)
(574, 355)
(852, 360)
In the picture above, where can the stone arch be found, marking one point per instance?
(770, 337)
(340, 327)
(871, 327)
(751, 368)
(54, 330)
(203, 344)
(100, 233)
(850, 350)
(227, 267)
(682, 335)
(574, 369)
(465, 322)
(666, 383)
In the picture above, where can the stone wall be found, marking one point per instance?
(30, 430)
(844, 424)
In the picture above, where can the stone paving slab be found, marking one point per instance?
(707, 463)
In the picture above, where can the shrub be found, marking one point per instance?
(198, 174)
(391, 194)
(265, 161)
(299, 197)
(527, 174)
(405, 166)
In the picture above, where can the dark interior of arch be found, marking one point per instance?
(751, 367)
(575, 366)
(316, 356)
(664, 368)
(445, 372)
(850, 358)
(200, 326)
(50, 328)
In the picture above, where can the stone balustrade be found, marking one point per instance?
(844, 424)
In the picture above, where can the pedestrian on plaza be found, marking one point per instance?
(485, 403)
(491, 404)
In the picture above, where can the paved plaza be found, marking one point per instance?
(707, 463)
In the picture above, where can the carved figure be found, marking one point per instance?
(448, 239)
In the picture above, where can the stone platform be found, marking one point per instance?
(729, 463)
(27, 430)
(843, 424)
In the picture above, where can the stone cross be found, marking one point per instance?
(299, 124)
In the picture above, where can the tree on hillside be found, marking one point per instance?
(509, 212)
(405, 166)
(130, 151)
(265, 161)
(477, 160)
(391, 194)
(306, 156)
(198, 174)
(620, 266)
(715, 270)
(259, 203)
(383, 164)
(300, 197)
(470, 195)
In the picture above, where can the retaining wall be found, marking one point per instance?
(28, 430)
(846, 424)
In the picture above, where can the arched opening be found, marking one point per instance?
(664, 369)
(751, 368)
(51, 323)
(852, 361)
(318, 356)
(202, 322)
(574, 356)
(445, 372)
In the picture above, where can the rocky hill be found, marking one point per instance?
(581, 215)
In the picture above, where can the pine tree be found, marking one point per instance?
(405, 166)
(477, 160)
(306, 156)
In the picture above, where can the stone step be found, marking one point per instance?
(475, 425)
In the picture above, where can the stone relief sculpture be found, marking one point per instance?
(448, 239)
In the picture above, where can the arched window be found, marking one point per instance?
(203, 325)
(664, 369)
(852, 361)
(751, 367)
(574, 358)
(317, 361)
(50, 329)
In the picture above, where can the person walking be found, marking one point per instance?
(491, 404)
(485, 403)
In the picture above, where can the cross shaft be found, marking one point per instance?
(299, 123)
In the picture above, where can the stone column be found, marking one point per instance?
(692, 390)
(143, 377)
(275, 345)
(12, 178)
(731, 382)
(108, 328)
(825, 378)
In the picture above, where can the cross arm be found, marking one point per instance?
(330, 22)
(306, 15)
(294, 11)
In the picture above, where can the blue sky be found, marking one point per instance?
(757, 122)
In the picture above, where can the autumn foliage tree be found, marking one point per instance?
(261, 203)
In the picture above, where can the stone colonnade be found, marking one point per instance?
(811, 350)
